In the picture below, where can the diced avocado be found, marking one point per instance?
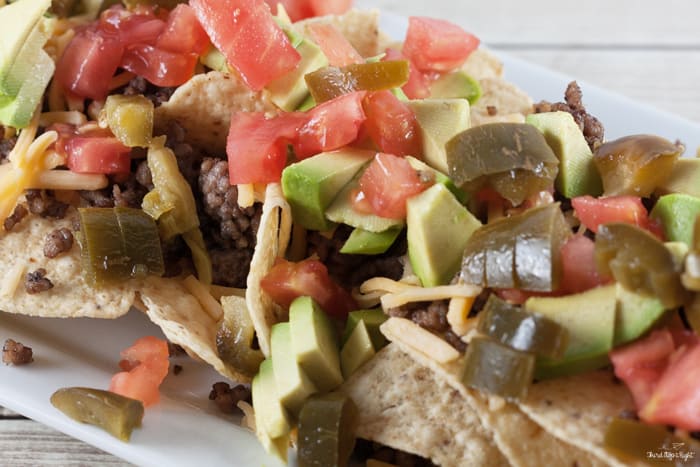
(589, 318)
(270, 414)
(677, 213)
(311, 184)
(373, 319)
(17, 21)
(293, 386)
(684, 178)
(307, 104)
(342, 211)
(362, 242)
(439, 121)
(440, 177)
(214, 60)
(21, 68)
(290, 90)
(636, 313)
(278, 447)
(438, 228)
(457, 84)
(314, 343)
(357, 350)
(17, 112)
(578, 175)
(399, 94)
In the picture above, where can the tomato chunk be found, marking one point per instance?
(333, 44)
(418, 84)
(145, 366)
(160, 67)
(183, 33)
(392, 125)
(592, 212)
(329, 7)
(287, 281)
(245, 32)
(579, 271)
(437, 45)
(97, 155)
(387, 183)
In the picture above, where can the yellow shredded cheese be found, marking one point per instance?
(62, 179)
(204, 297)
(412, 335)
(429, 294)
(248, 420)
(246, 195)
(122, 79)
(11, 280)
(71, 118)
(458, 315)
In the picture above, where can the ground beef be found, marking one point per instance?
(37, 282)
(592, 127)
(154, 93)
(123, 191)
(431, 316)
(14, 353)
(189, 159)
(227, 397)
(15, 218)
(352, 270)
(230, 267)
(57, 242)
(365, 450)
(43, 203)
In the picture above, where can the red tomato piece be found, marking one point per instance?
(392, 125)
(183, 33)
(146, 366)
(387, 183)
(257, 146)
(88, 64)
(296, 9)
(641, 364)
(158, 66)
(287, 281)
(97, 155)
(245, 32)
(592, 212)
(331, 125)
(418, 84)
(329, 7)
(579, 271)
(437, 45)
(333, 44)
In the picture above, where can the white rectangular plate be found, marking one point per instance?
(185, 429)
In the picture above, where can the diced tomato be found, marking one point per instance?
(245, 32)
(183, 33)
(257, 146)
(158, 66)
(592, 212)
(331, 125)
(145, 366)
(437, 45)
(329, 7)
(579, 271)
(418, 84)
(287, 281)
(296, 9)
(333, 44)
(387, 183)
(97, 155)
(392, 125)
(88, 64)
(140, 29)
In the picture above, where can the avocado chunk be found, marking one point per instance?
(311, 184)
(362, 242)
(677, 213)
(440, 177)
(21, 68)
(342, 211)
(438, 228)
(684, 178)
(270, 414)
(589, 318)
(17, 111)
(439, 121)
(373, 319)
(289, 91)
(636, 313)
(293, 386)
(457, 84)
(314, 344)
(578, 175)
(17, 22)
(357, 350)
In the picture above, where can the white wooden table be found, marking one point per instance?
(647, 50)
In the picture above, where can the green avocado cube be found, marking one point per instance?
(270, 414)
(293, 385)
(677, 213)
(362, 242)
(17, 111)
(357, 350)
(373, 319)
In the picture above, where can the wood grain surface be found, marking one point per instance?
(647, 50)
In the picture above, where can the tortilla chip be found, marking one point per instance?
(204, 105)
(510, 102)
(184, 322)
(360, 28)
(405, 406)
(271, 243)
(579, 408)
(482, 64)
(22, 251)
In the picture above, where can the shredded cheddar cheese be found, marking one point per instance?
(62, 180)
(412, 335)
(458, 315)
(204, 297)
(246, 195)
(71, 118)
(394, 294)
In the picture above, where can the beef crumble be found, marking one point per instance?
(15, 218)
(431, 316)
(155, 94)
(44, 204)
(591, 127)
(14, 353)
(227, 397)
(37, 282)
(6, 145)
(57, 242)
